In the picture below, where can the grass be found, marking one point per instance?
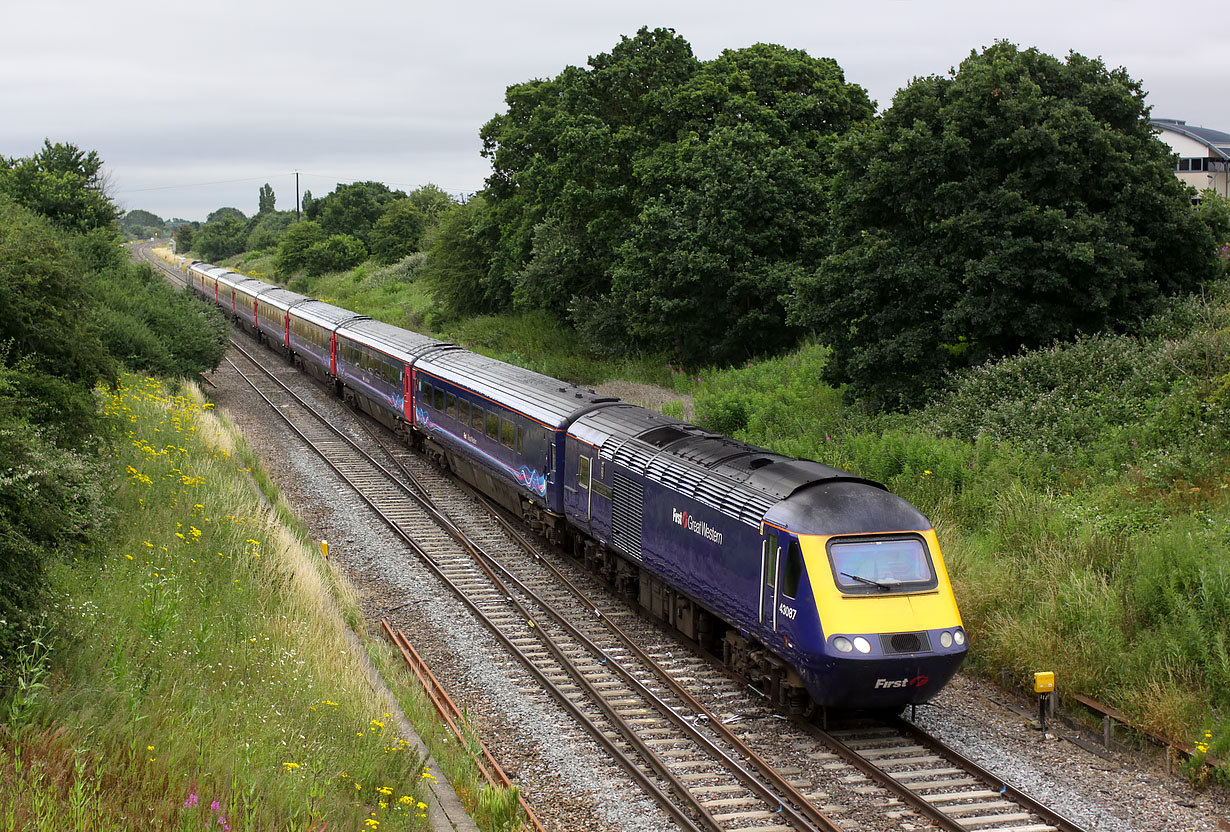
(198, 669)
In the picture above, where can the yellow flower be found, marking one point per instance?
(149, 748)
(385, 790)
(926, 472)
(405, 799)
(128, 556)
(290, 766)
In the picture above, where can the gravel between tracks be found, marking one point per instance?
(562, 772)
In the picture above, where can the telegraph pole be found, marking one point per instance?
(296, 196)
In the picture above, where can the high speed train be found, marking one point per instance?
(819, 587)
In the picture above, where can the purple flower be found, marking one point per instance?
(215, 806)
(190, 802)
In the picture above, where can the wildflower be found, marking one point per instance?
(190, 802)
(405, 800)
(385, 790)
(215, 806)
(925, 473)
(358, 787)
(149, 748)
(289, 766)
(422, 806)
(128, 556)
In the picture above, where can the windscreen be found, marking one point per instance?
(888, 565)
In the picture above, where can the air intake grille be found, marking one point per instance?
(906, 643)
(626, 522)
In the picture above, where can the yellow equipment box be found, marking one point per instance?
(1044, 682)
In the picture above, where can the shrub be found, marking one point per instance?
(334, 254)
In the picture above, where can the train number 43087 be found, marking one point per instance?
(787, 612)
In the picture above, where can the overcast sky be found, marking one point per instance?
(194, 106)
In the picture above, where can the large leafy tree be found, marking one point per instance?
(1019, 200)
(398, 232)
(63, 183)
(653, 194)
(267, 199)
(353, 209)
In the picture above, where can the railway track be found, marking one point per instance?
(668, 717)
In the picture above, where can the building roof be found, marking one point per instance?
(1215, 140)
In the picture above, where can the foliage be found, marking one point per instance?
(266, 229)
(294, 246)
(398, 232)
(1019, 201)
(42, 288)
(63, 183)
(457, 270)
(334, 253)
(223, 213)
(153, 329)
(266, 199)
(652, 193)
(140, 224)
(353, 209)
(220, 237)
(185, 236)
(432, 201)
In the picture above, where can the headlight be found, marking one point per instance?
(959, 637)
(843, 644)
(863, 645)
(946, 639)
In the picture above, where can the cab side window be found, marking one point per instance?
(794, 571)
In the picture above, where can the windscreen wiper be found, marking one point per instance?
(867, 581)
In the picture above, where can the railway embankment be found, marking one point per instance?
(201, 667)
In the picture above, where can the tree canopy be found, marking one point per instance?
(1020, 200)
(63, 183)
(651, 192)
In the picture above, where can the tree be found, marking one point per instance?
(184, 236)
(353, 209)
(267, 199)
(223, 213)
(457, 270)
(224, 236)
(432, 202)
(294, 246)
(335, 253)
(63, 183)
(398, 232)
(140, 223)
(1018, 201)
(653, 194)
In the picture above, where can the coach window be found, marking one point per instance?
(450, 406)
(493, 426)
(463, 411)
(424, 393)
(508, 433)
(583, 472)
(794, 571)
(476, 418)
(520, 440)
(439, 399)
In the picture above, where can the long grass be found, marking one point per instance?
(199, 673)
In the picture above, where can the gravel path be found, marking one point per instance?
(563, 774)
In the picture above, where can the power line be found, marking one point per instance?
(194, 185)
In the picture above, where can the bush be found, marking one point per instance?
(334, 254)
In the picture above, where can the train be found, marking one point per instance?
(821, 588)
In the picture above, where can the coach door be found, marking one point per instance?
(770, 554)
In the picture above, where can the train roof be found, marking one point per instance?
(324, 314)
(248, 285)
(391, 340)
(547, 400)
(739, 479)
(282, 298)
